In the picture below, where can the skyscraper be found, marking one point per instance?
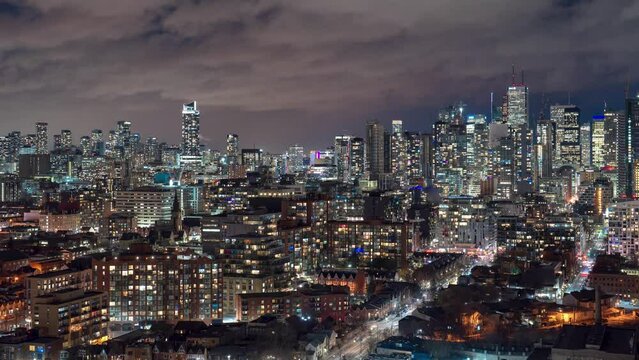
(568, 148)
(628, 149)
(546, 140)
(476, 154)
(343, 157)
(232, 148)
(611, 130)
(190, 129)
(66, 139)
(517, 103)
(398, 153)
(586, 147)
(42, 138)
(375, 147)
(598, 141)
(358, 158)
(295, 159)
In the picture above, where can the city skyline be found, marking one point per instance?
(257, 69)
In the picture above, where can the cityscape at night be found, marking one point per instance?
(319, 180)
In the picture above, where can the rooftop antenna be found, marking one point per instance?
(522, 77)
(513, 75)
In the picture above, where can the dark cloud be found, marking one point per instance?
(285, 71)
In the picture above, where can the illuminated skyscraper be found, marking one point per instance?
(85, 146)
(358, 158)
(375, 147)
(190, 129)
(42, 138)
(546, 141)
(343, 157)
(586, 145)
(414, 155)
(398, 153)
(295, 159)
(568, 149)
(611, 130)
(628, 149)
(123, 133)
(476, 154)
(232, 148)
(517, 103)
(598, 141)
(96, 140)
(66, 139)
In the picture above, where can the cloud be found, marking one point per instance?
(270, 70)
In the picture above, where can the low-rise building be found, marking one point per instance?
(76, 316)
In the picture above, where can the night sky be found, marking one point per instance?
(281, 72)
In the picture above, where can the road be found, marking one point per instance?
(596, 244)
(362, 340)
(367, 335)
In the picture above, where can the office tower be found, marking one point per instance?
(122, 133)
(546, 131)
(252, 159)
(66, 139)
(96, 138)
(628, 149)
(375, 147)
(232, 149)
(449, 141)
(85, 146)
(586, 145)
(611, 128)
(476, 154)
(190, 129)
(111, 145)
(42, 138)
(342, 148)
(295, 159)
(502, 161)
(598, 141)
(517, 103)
(358, 158)
(414, 155)
(165, 287)
(516, 109)
(152, 150)
(568, 148)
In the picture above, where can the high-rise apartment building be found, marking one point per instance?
(598, 141)
(586, 144)
(190, 129)
(147, 286)
(628, 149)
(358, 158)
(375, 147)
(42, 138)
(232, 149)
